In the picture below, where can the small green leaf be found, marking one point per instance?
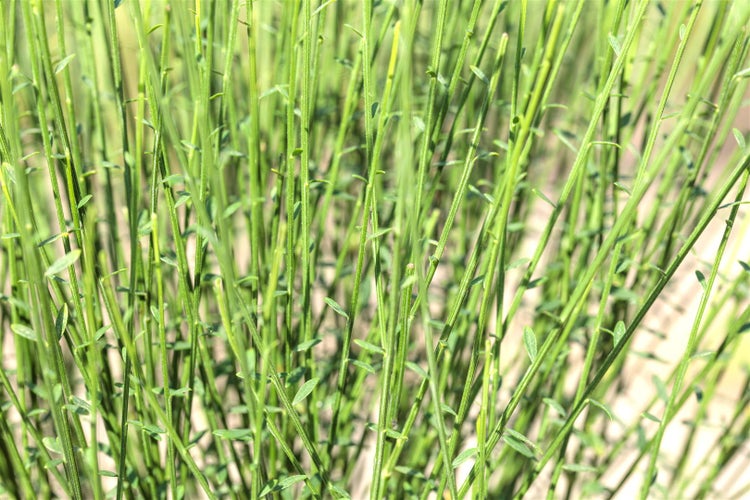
(641, 437)
(702, 354)
(52, 444)
(78, 406)
(416, 369)
(379, 233)
(370, 347)
(179, 393)
(153, 431)
(579, 468)
(340, 492)
(418, 124)
(83, 201)
(543, 197)
(24, 331)
(529, 340)
(622, 187)
(625, 295)
(278, 485)
(304, 346)
(651, 417)
(619, 332)
(615, 44)
(231, 209)
(408, 281)
(623, 266)
(305, 390)
(517, 263)
(463, 457)
(365, 366)
(745, 266)
(336, 307)
(270, 487)
(739, 138)
(518, 445)
(395, 435)
(701, 279)
(518, 435)
(234, 434)
(480, 74)
(61, 322)
(555, 406)
(602, 407)
(661, 389)
(63, 263)
(447, 409)
(129, 158)
(62, 64)
(406, 471)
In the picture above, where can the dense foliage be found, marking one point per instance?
(390, 248)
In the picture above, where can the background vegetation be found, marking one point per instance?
(389, 248)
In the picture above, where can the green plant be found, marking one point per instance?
(396, 248)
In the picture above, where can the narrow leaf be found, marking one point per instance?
(701, 279)
(24, 331)
(602, 407)
(651, 417)
(579, 468)
(619, 332)
(661, 389)
(447, 409)
(622, 187)
(61, 322)
(518, 445)
(406, 471)
(544, 197)
(529, 340)
(305, 390)
(276, 485)
(84, 200)
(365, 366)
(416, 369)
(289, 481)
(52, 444)
(63, 262)
(234, 434)
(62, 64)
(367, 346)
(304, 346)
(463, 457)
(555, 406)
(480, 74)
(336, 307)
(615, 44)
(739, 138)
